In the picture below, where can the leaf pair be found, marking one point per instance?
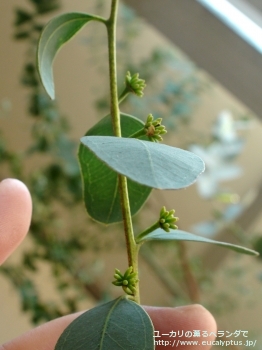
(100, 183)
(145, 164)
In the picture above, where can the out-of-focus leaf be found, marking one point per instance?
(22, 17)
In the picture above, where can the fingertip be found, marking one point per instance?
(183, 316)
(15, 215)
(184, 319)
(205, 319)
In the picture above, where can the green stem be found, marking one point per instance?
(131, 246)
(147, 231)
(139, 133)
(111, 30)
(124, 94)
(132, 249)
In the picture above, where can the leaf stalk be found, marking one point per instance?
(139, 133)
(123, 95)
(150, 229)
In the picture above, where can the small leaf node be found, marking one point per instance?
(127, 281)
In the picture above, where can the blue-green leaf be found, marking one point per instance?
(100, 183)
(55, 34)
(117, 325)
(148, 163)
(178, 235)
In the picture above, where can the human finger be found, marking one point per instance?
(187, 327)
(185, 318)
(15, 215)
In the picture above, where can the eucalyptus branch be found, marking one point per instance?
(145, 167)
(132, 250)
(111, 30)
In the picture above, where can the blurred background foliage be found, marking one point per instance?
(60, 236)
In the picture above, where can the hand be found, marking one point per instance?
(15, 216)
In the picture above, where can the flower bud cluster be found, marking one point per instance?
(167, 219)
(154, 129)
(127, 281)
(134, 84)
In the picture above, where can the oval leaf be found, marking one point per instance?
(56, 33)
(178, 235)
(148, 163)
(117, 325)
(100, 183)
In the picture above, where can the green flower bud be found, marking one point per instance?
(128, 271)
(174, 227)
(167, 219)
(134, 84)
(127, 281)
(117, 283)
(128, 291)
(154, 129)
(117, 277)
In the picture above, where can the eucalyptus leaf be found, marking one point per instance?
(55, 34)
(148, 163)
(178, 235)
(117, 325)
(100, 183)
